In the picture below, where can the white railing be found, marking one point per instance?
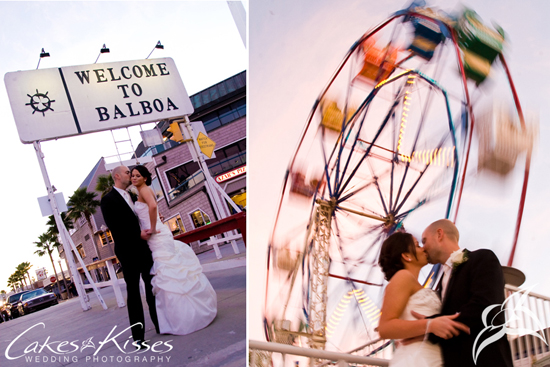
(528, 350)
(261, 354)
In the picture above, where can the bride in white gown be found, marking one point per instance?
(185, 299)
(401, 259)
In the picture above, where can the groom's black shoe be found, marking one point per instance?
(141, 345)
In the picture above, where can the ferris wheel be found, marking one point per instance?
(385, 148)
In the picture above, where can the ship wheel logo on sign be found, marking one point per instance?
(40, 102)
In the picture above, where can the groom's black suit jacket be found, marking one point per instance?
(134, 256)
(473, 286)
(130, 248)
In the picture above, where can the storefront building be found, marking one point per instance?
(183, 200)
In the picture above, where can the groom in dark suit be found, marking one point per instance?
(471, 282)
(131, 250)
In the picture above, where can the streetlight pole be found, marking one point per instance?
(64, 280)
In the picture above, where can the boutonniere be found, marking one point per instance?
(459, 257)
(133, 193)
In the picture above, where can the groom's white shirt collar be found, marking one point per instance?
(447, 271)
(126, 197)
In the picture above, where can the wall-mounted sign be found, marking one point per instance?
(40, 273)
(198, 130)
(229, 175)
(59, 102)
(206, 144)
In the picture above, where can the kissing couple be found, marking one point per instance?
(441, 327)
(181, 299)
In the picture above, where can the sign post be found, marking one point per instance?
(210, 184)
(84, 300)
(67, 101)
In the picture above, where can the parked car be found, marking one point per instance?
(11, 304)
(36, 300)
(5, 313)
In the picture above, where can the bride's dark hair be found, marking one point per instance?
(390, 255)
(145, 173)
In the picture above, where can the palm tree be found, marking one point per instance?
(83, 203)
(24, 267)
(52, 225)
(104, 184)
(12, 283)
(21, 274)
(46, 244)
(15, 281)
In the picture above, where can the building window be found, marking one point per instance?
(105, 240)
(155, 185)
(177, 176)
(228, 158)
(180, 180)
(87, 237)
(200, 218)
(81, 220)
(176, 225)
(224, 115)
(81, 251)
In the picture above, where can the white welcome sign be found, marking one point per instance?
(60, 102)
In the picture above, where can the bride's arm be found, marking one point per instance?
(398, 292)
(151, 201)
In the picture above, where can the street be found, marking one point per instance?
(64, 335)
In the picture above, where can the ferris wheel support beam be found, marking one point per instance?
(319, 276)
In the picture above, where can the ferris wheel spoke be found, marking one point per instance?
(388, 115)
(361, 111)
(418, 132)
(353, 192)
(407, 195)
(375, 178)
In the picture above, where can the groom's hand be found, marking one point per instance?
(446, 327)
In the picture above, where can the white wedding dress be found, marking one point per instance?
(185, 299)
(422, 353)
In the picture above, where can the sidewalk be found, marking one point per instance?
(64, 335)
(229, 258)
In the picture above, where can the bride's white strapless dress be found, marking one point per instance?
(185, 299)
(423, 353)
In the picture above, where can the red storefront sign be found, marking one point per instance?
(229, 175)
